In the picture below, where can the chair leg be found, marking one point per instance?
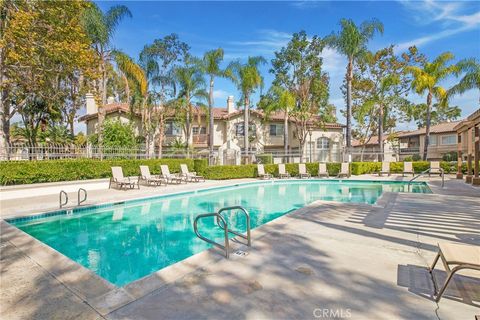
(450, 276)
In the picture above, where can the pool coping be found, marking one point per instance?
(106, 297)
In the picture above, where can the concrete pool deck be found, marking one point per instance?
(345, 259)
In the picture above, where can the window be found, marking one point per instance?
(239, 129)
(276, 130)
(451, 139)
(323, 143)
(199, 130)
(433, 140)
(172, 129)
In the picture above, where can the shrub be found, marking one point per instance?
(200, 165)
(26, 172)
(265, 158)
(116, 134)
(450, 156)
(416, 157)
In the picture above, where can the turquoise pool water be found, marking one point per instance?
(126, 241)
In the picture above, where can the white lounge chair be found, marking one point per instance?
(344, 170)
(408, 169)
(435, 168)
(302, 171)
(149, 179)
(385, 169)
(261, 172)
(282, 172)
(460, 256)
(169, 177)
(120, 181)
(322, 170)
(190, 176)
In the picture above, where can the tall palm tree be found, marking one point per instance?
(248, 79)
(210, 65)
(471, 79)
(352, 41)
(100, 27)
(191, 86)
(279, 99)
(426, 79)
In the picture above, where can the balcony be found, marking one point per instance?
(200, 139)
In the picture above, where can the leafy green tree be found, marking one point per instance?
(210, 66)
(248, 79)
(352, 42)
(471, 78)
(279, 99)
(116, 134)
(298, 70)
(438, 114)
(159, 59)
(100, 28)
(426, 79)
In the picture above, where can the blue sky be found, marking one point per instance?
(244, 29)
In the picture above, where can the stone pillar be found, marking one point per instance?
(476, 156)
(459, 156)
(468, 178)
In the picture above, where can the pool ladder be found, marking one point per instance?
(442, 174)
(79, 202)
(222, 223)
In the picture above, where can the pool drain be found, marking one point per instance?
(241, 253)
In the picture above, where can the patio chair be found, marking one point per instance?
(261, 172)
(120, 181)
(344, 170)
(460, 256)
(149, 179)
(282, 172)
(170, 177)
(302, 171)
(408, 169)
(322, 170)
(435, 168)
(385, 169)
(190, 176)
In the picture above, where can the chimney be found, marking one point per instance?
(230, 104)
(90, 103)
(110, 100)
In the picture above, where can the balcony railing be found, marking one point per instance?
(200, 139)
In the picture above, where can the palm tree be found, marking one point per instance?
(279, 99)
(100, 28)
(248, 79)
(191, 85)
(352, 41)
(426, 79)
(210, 65)
(471, 79)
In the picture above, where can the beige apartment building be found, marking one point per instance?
(443, 140)
(324, 142)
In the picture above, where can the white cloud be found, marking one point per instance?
(220, 94)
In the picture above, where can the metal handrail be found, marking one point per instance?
(226, 246)
(247, 216)
(425, 171)
(60, 199)
(78, 196)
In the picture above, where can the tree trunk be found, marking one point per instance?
(348, 135)
(245, 127)
(188, 128)
(161, 133)
(4, 127)
(285, 134)
(101, 109)
(380, 133)
(427, 126)
(210, 118)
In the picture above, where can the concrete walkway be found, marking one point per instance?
(326, 260)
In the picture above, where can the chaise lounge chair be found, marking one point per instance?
(261, 172)
(282, 173)
(148, 179)
(302, 171)
(435, 168)
(344, 170)
(385, 169)
(120, 181)
(461, 256)
(169, 177)
(408, 169)
(322, 170)
(190, 176)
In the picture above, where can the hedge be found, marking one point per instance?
(358, 168)
(26, 172)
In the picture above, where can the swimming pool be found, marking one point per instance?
(125, 241)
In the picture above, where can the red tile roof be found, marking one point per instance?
(438, 128)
